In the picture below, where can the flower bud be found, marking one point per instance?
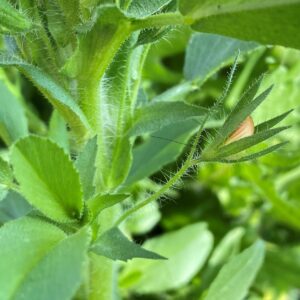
(245, 129)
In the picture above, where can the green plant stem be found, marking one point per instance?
(171, 182)
(160, 20)
(156, 195)
(243, 78)
(137, 82)
(103, 271)
(126, 113)
(89, 81)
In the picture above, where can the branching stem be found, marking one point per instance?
(172, 181)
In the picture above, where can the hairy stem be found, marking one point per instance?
(89, 81)
(171, 182)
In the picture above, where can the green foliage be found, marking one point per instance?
(13, 123)
(60, 99)
(286, 211)
(46, 255)
(85, 165)
(48, 179)
(114, 245)
(152, 35)
(58, 130)
(239, 272)
(257, 20)
(199, 65)
(68, 255)
(13, 206)
(118, 101)
(12, 21)
(278, 259)
(193, 241)
(100, 202)
(160, 149)
(141, 9)
(36, 239)
(139, 104)
(6, 175)
(217, 150)
(225, 250)
(55, 93)
(157, 115)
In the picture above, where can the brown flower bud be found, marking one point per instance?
(245, 129)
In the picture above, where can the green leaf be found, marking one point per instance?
(235, 278)
(227, 248)
(8, 59)
(272, 122)
(142, 8)
(255, 155)
(35, 238)
(161, 148)
(108, 13)
(13, 206)
(114, 155)
(67, 257)
(157, 115)
(58, 131)
(241, 111)
(266, 21)
(284, 78)
(55, 93)
(100, 202)
(39, 271)
(3, 192)
(193, 242)
(70, 11)
(118, 101)
(58, 22)
(103, 275)
(114, 245)
(152, 35)
(199, 65)
(13, 122)
(85, 165)
(248, 142)
(90, 47)
(11, 20)
(48, 179)
(6, 175)
(178, 92)
(60, 99)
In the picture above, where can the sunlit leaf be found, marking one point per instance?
(48, 179)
